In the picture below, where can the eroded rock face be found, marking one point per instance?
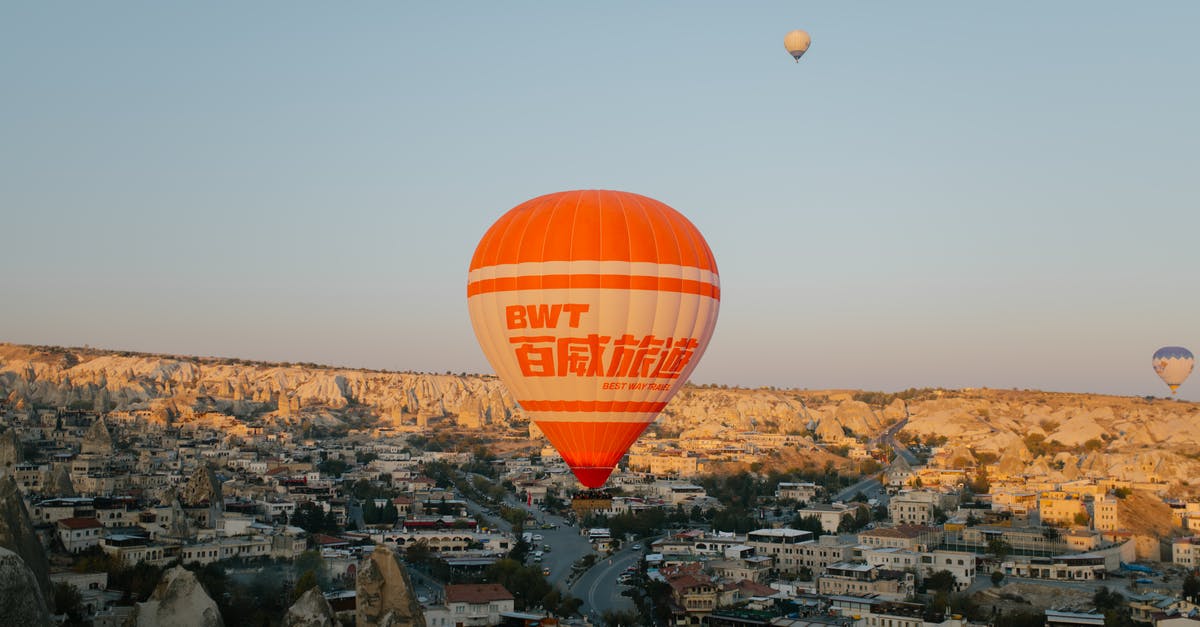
(97, 440)
(310, 610)
(201, 489)
(21, 599)
(59, 482)
(10, 451)
(178, 601)
(385, 593)
(17, 535)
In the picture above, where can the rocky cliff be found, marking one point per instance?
(310, 610)
(178, 601)
(18, 536)
(21, 599)
(385, 593)
(1065, 436)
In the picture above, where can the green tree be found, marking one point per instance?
(67, 600)
(940, 581)
(1000, 548)
(811, 523)
(304, 583)
(997, 577)
(1020, 618)
(1191, 586)
(526, 584)
(333, 467)
(620, 618)
(981, 484)
(1106, 599)
(370, 512)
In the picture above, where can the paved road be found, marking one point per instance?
(870, 487)
(598, 587)
(889, 436)
(566, 545)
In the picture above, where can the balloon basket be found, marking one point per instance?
(591, 502)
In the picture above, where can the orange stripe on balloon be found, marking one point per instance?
(592, 449)
(640, 407)
(593, 281)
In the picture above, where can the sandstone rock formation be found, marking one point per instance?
(178, 601)
(10, 451)
(21, 599)
(1125, 438)
(97, 440)
(310, 610)
(59, 481)
(385, 593)
(18, 536)
(201, 489)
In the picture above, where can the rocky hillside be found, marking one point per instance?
(1059, 435)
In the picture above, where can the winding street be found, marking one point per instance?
(598, 586)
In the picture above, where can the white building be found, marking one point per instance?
(784, 545)
(79, 534)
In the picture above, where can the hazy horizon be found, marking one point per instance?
(942, 196)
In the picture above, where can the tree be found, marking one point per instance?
(333, 467)
(1106, 599)
(67, 600)
(981, 484)
(940, 581)
(1191, 586)
(1082, 519)
(418, 553)
(997, 577)
(307, 580)
(1020, 618)
(808, 523)
(999, 548)
(614, 618)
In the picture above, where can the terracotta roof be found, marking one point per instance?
(683, 583)
(476, 593)
(325, 540)
(80, 523)
(750, 588)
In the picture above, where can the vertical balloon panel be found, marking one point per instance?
(597, 319)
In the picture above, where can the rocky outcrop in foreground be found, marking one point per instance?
(18, 536)
(21, 600)
(178, 601)
(310, 610)
(385, 593)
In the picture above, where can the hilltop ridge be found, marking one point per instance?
(1062, 436)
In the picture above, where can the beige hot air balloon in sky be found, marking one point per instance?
(797, 43)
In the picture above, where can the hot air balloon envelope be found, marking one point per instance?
(593, 307)
(797, 43)
(1173, 364)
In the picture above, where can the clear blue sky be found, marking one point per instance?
(939, 194)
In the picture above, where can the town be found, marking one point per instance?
(119, 513)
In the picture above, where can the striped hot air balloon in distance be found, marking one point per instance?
(593, 307)
(1173, 364)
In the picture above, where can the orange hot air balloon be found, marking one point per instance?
(593, 306)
